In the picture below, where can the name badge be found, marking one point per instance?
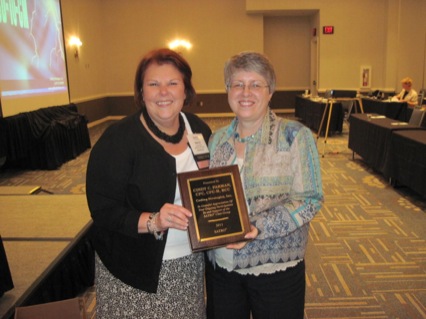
(200, 151)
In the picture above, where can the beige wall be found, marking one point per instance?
(87, 75)
(287, 44)
(130, 28)
(388, 35)
(116, 34)
(410, 38)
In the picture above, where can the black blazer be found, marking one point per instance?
(128, 173)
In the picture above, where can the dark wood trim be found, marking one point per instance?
(205, 103)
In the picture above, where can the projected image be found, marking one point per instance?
(32, 57)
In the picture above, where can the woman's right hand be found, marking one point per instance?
(252, 234)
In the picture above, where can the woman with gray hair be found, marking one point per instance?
(279, 167)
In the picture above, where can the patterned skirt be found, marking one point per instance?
(180, 292)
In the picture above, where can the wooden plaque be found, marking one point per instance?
(219, 212)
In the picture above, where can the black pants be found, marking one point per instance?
(280, 295)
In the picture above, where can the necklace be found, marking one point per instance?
(174, 139)
(243, 139)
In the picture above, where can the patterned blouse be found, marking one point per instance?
(283, 188)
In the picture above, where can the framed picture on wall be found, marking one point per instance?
(365, 77)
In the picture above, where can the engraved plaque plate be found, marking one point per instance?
(219, 212)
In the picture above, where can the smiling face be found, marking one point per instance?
(163, 94)
(248, 96)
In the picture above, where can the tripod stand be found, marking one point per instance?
(329, 107)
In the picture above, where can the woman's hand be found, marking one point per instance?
(250, 236)
(173, 216)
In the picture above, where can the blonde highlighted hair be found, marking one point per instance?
(407, 80)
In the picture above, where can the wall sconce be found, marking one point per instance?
(179, 43)
(75, 43)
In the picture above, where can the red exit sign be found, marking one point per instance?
(328, 29)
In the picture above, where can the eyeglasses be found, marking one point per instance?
(253, 86)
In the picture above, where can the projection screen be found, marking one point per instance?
(32, 56)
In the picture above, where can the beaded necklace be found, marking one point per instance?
(174, 139)
(243, 139)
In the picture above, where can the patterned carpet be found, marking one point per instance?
(367, 252)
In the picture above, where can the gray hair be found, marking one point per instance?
(252, 62)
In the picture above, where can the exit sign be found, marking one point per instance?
(328, 29)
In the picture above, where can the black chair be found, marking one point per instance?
(328, 94)
(423, 123)
(420, 98)
(417, 117)
(344, 94)
(346, 105)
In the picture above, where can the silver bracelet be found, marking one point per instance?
(151, 225)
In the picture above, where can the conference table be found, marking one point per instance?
(406, 160)
(311, 111)
(48, 249)
(394, 110)
(370, 137)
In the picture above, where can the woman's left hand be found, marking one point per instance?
(249, 236)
